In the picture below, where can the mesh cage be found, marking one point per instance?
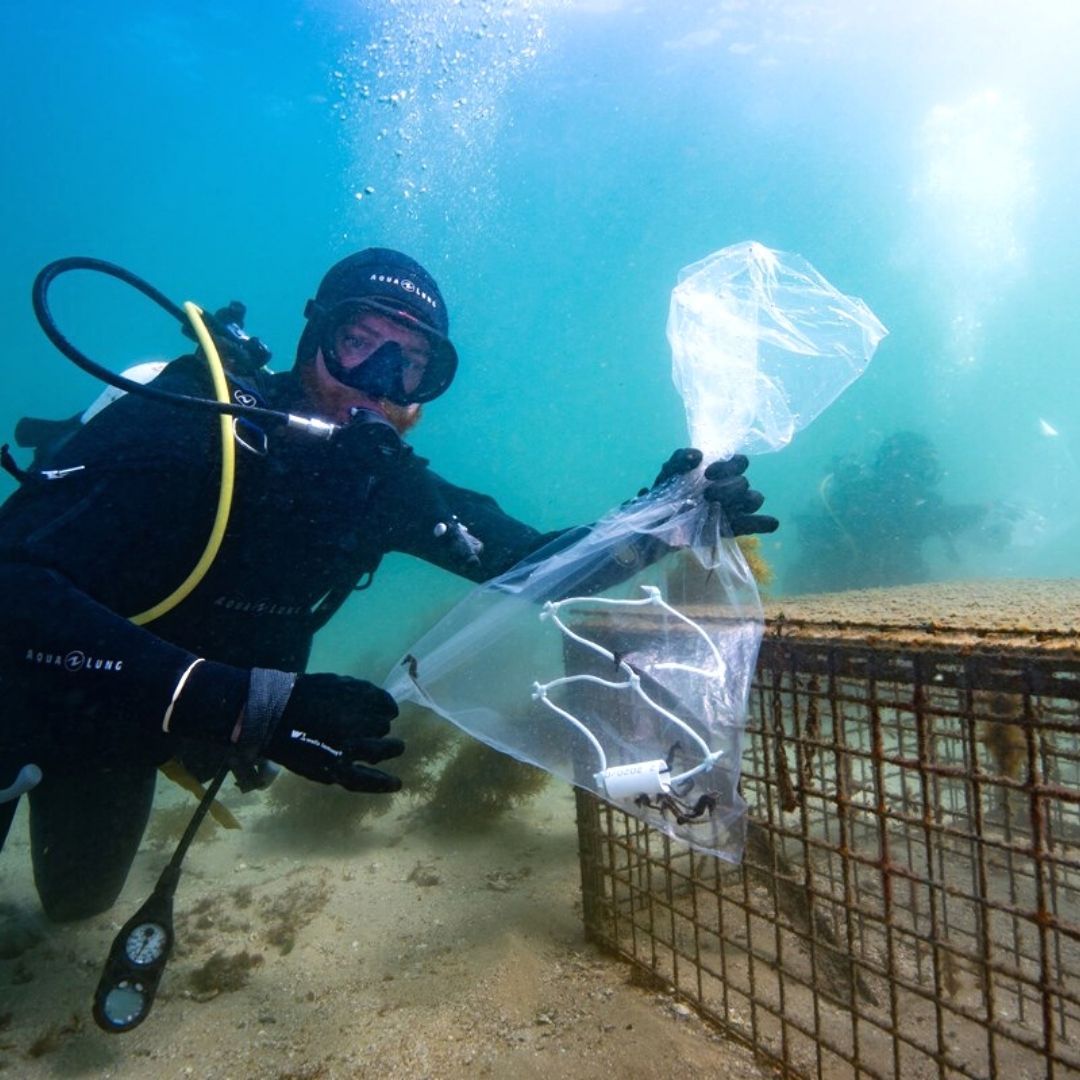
(909, 901)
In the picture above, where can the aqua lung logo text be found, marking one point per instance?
(406, 286)
(257, 607)
(76, 660)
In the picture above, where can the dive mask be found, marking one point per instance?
(386, 372)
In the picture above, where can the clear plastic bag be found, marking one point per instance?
(620, 657)
(761, 345)
(636, 689)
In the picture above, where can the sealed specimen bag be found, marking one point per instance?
(620, 656)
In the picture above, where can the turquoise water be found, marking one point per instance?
(555, 165)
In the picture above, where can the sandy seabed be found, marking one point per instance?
(402, 953)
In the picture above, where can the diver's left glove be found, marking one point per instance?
(726, 489)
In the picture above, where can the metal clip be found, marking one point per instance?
(59, 474)
(261, 450)
(465, 545)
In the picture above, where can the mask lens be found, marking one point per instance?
(361, 355)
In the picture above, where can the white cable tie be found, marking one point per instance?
(166, 720)
(706, 766)
(652, 597)
(540, 694)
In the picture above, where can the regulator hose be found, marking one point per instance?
(40, 298)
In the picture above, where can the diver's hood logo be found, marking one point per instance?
(405, 285)
(242, 397)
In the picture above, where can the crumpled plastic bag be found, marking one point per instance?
(620, 657)
(761, 345)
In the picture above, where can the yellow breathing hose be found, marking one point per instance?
(228, 477)
(175, 769)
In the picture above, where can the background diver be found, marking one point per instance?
(869, 524)
(116, 511)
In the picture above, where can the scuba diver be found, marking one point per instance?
(869, 524)
(102, 684)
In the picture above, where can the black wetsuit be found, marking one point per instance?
(84, 690)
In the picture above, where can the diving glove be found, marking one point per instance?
(319, 726)
(330, 724)
(726, 489)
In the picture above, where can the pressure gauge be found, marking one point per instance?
(146, 943)
(136, 962)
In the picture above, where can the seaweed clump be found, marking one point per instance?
(50, 1040)
(223, 973)
(287, 914)
(763, 572)
(478, 785)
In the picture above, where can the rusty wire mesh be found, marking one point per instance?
(909, 901)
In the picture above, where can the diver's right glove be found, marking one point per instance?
(329, 725)
(320, 726)
(726, 489)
